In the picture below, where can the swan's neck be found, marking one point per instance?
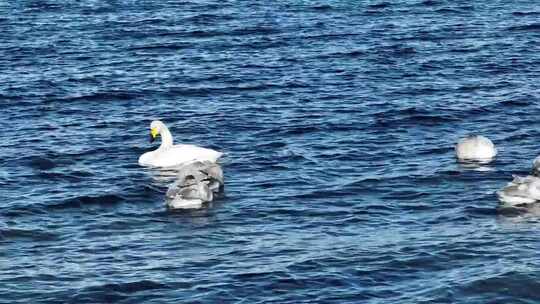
(166, 138)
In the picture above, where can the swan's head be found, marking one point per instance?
(155, 129)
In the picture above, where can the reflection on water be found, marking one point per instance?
(526, 213)
(482, 166)
(520, 210)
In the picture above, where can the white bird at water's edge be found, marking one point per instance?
(169, 155)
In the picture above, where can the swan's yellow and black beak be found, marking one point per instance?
(153, 134)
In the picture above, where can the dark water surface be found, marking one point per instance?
(338, 119)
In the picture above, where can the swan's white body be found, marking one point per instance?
(521, 190)
(169, 155)
(475, 147)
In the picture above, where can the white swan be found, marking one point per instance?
(521, 190)
(197, 183)
(475, 147)
(169, 155)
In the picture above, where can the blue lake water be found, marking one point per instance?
(338, 120)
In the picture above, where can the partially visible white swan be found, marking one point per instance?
(169, 155)
(521, 190)
(476, 148)
(197, 183)
(536, 167)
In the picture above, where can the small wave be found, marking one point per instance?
(41, 163)
(391, 52)
(435, 150)
(208, 19)
(322, 7)
(195, 34)
(8, 234)
(160, 47)
(414, 116)
(480, 211)
(211, 91)
(318, 194)
(306, 266)
(515, 284)
(70, 176)
(309, 213)
(405, 195)
(448, 11)
(350, 54)
(264, 44)
(54, 159)
(381, 5)
(114, 292)
(48, 160)
(298, 130)
(465, 50)
(474, 88)
(103, 96)
(81, 201)
(256, 30)
(130, 287)
(329, 37)
(43, 6)
(427, 261)
(516, 103)
(526, 13)
(271, 145)
(150, 21)
(430, 3)
(525, 28)
(259, 275)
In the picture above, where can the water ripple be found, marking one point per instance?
(338, 120)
